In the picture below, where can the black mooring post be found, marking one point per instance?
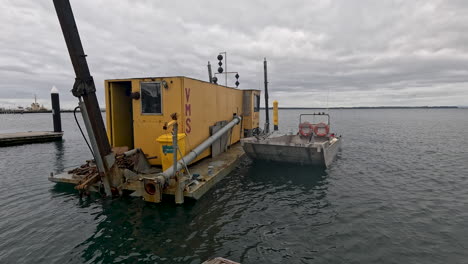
(54, 94)
(267, 114)
(210, 75)
(84, 84)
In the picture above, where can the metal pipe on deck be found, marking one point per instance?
(179, 193)
(175, 147)
(200, 148)
(210, 74)
(267, 114)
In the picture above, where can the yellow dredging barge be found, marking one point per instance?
(165, 135)
(210, 120)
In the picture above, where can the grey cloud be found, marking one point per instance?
(351, 52)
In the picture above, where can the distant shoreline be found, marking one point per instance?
(263, 108)
(368, 107)
(38, 112)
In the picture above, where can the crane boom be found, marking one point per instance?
(84, 84)
(84, 87)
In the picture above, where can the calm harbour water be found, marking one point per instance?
(398, 193)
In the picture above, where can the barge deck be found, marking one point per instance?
(210, 171)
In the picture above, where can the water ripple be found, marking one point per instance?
(389, 198)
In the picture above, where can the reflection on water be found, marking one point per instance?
(59, 155)
(296, 176)
(133, 230)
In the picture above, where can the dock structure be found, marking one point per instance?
(19, 138)
(210, 171)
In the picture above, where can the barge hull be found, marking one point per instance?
(222, 165)
(319, 155)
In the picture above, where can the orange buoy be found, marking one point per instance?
(306, 129)
(321, 126)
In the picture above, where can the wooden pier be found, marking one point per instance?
(19, 138)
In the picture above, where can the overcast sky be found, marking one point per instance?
(355, 53)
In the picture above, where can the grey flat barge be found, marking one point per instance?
(292, 149)
(313, 145)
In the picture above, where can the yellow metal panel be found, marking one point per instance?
(255, 115)
(275, 113)
(121, 118)
(204, 105)
(251, 121)
(167, 138)
(108, 112)
(167, 157)
(148, 127)
(198, 104)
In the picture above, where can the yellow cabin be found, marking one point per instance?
(138, 108)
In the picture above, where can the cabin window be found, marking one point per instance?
(151, 98)
(257, 103)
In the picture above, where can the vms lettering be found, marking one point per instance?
(188, 111)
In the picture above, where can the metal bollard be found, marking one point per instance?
(54, 94)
